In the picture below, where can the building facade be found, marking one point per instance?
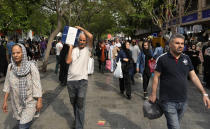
(192, 12)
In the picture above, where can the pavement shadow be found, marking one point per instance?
(48, 97)
(60, 108)
(49, 72)
(204, 125)
(118, 121)
(195, 102)
(105, 86)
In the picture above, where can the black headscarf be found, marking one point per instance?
(127, 51)
(146, 51)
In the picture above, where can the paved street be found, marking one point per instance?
(103, 103)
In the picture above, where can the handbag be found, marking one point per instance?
(152, 64)
(118, 71)
(152, 110)
(90, 65)
(108, 65)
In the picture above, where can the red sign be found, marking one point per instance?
(109, 36)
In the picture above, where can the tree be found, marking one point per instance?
(59, 7)
(16, 14)
(160, 11)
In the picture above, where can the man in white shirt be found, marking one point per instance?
(58, 49)
(78, 58)
(111, 55)
(117, 42)
(135, 52)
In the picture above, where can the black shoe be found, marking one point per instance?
(129, 97)
(122, 92)
(63, 84)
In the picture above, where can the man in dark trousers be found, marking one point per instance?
(78, 58)
(206, 65)
(172, 69)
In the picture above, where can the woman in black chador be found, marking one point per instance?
(125, 56)
(63, 66)
(3, 60)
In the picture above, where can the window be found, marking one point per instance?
(191, 5)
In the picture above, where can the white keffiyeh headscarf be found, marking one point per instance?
(21, 73)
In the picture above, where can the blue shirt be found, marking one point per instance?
(9, 47)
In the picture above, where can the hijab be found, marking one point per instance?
(21, 72)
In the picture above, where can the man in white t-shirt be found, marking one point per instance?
(58, 49)
(78, 58)
(135, 52)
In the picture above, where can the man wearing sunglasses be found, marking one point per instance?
(78, 58)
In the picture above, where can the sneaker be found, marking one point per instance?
(145, 96)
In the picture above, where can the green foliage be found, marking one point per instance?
(23, 15)
(160, 11)
(109, 16)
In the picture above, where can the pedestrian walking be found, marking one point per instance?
(43, 45)
(158, 51)
(9, 47)
(125, 56)
(37, 51)
(206, 65)
(78, 58)
(172, 69)
(64, 67)
(205, 46)
(28, 51)
(103, 56)
(111, 55)
(194, 56)
(135, 52)
(23, 84)
(98, 54)
(58, 48)
(3, 60)
(142, 65)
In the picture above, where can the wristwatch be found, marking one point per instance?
(205, 95)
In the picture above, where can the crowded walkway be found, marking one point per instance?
(106, 108)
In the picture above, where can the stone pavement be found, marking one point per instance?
(103, 103)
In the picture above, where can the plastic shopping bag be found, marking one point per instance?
(152, 64)
(152, 110)
(108, 65)
(118, 71)
(90, 66)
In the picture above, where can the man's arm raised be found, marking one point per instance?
(88, 34)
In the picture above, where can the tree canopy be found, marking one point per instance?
(107, 16)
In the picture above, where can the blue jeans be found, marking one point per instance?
(77, 94)
(173, 112)
(25, 126)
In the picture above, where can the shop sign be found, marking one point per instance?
(189, 18)
(206, 13)
(154, 34)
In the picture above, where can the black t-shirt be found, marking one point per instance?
(173, 78)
